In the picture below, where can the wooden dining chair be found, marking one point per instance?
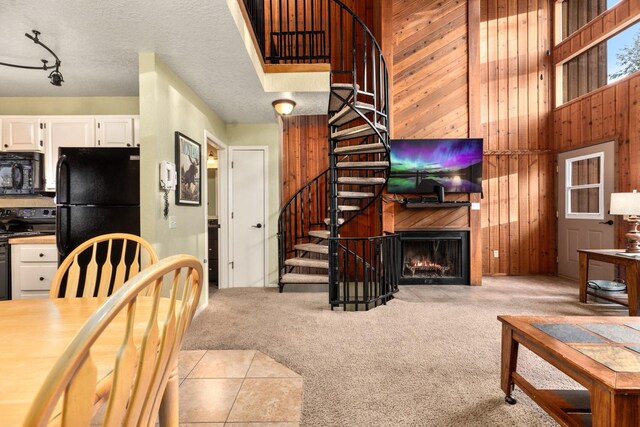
(99, 266)
(145, 367)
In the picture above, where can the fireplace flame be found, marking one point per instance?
(426, 265)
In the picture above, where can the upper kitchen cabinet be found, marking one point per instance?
(22, 133)
(65, 131)
(116, 131)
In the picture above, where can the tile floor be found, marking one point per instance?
(237, 388)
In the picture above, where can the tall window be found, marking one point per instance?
(585, 187)
(610, 60)
(577, 13)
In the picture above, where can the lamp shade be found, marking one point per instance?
(625, 204)
(283, 106)
(212, 162)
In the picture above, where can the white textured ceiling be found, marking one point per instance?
(98, 44)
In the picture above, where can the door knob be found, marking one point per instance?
(257, 226)
(610, 222)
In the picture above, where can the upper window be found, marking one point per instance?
(577, 13)
(612, 59)
(585, 187)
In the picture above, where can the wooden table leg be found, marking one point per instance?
(169, 407)
(632, 288)
(583, 275)
(613, 410)
(509, 362)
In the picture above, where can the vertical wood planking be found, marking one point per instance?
(515, 84)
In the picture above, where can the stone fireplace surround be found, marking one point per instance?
(434, 257)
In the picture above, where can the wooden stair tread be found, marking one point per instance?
(348, 114)
(357, 132)
(304, 278)
(344, 90)
(355, 180)
(345, 208)
(312, 247)
(321, 234)
(363, 165)
(377, 147)
(328, 221)
(307, 262)
(354, 194)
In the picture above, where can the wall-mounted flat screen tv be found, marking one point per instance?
(417, 165)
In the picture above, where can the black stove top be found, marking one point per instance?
(22, 222)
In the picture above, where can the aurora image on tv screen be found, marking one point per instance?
(417, 165)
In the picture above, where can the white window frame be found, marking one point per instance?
(569, 187)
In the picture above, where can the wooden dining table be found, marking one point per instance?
(35, 332)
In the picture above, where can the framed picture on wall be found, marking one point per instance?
(188, 155)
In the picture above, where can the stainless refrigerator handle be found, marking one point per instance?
(62, 191)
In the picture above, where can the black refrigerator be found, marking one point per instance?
(97, 192)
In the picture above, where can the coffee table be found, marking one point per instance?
(600, 353)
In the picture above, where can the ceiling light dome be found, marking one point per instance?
(283, 107)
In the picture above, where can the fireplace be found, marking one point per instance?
(434, 258)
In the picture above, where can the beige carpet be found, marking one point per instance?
(431, 357)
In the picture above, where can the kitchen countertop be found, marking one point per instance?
(32, 240)
(26, 202)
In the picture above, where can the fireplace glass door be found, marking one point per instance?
(434, 257)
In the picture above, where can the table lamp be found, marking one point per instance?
(628, 204)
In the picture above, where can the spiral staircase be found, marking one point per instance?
(314, 248)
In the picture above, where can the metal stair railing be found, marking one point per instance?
(312, 31)
(303, 212)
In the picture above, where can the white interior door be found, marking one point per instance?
(248, 213)
(585, 184)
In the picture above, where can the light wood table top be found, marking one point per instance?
(34, 334)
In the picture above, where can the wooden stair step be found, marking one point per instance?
(356, 180)
(363, 165)
(307, 262)
(345, 208)
(348, 114)
(321, 234)
(377, 147)
(304, 278)
(354, 195)
(357, 132)
(328, 221)
(312, 247)
(345, 90)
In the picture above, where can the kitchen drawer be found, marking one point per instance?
(38, 253)
(37, 277)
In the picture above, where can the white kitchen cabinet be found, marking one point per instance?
(32, 269)
(22, 133)
(115, 131)
(64, 131)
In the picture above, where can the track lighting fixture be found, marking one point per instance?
(55, 76)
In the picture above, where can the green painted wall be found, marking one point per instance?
(72, 105)
(168, 105)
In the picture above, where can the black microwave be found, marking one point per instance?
(21, 173)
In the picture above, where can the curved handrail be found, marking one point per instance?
(357, 63)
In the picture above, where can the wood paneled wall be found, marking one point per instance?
(430, 73)
(518, 208)
(438, 84)
(305, 152)
(611, 113)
